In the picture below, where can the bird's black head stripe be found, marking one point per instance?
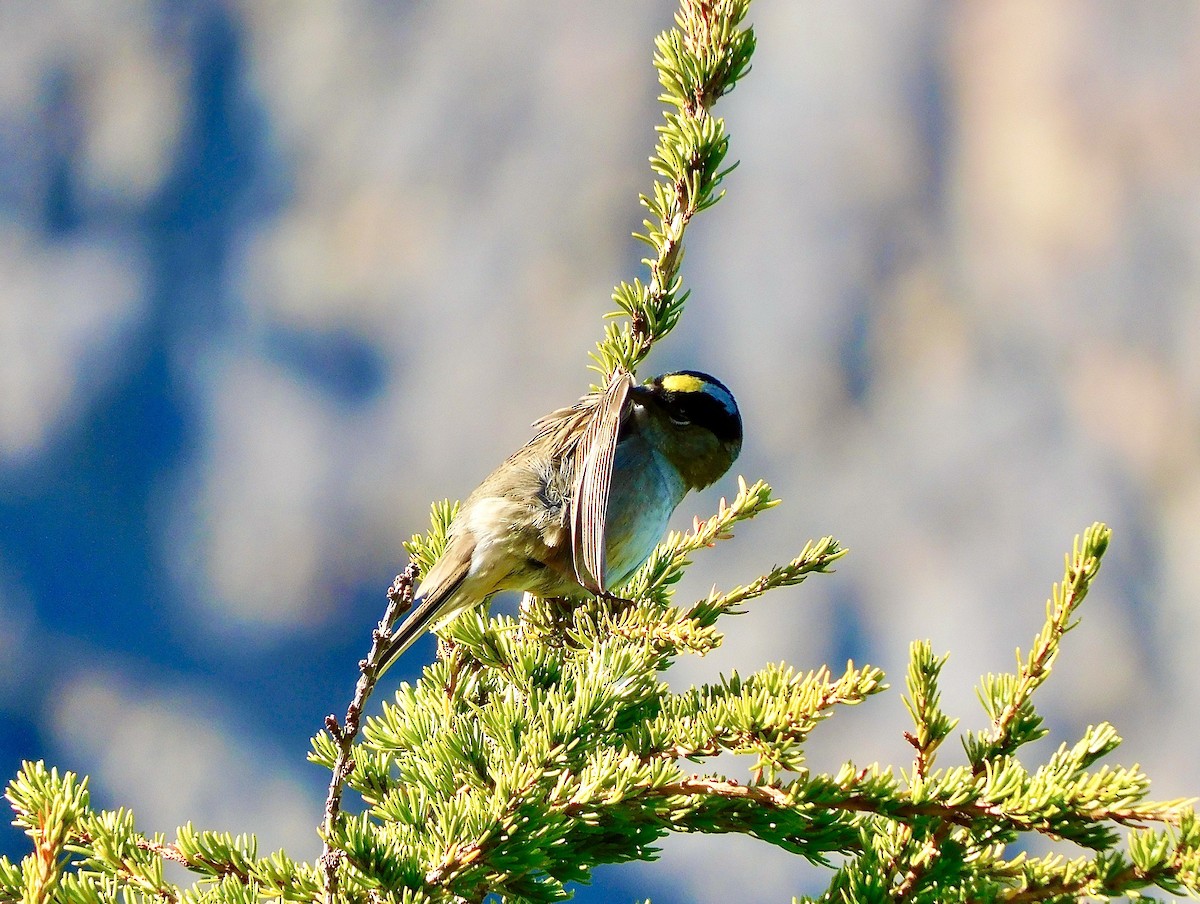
(703, 400)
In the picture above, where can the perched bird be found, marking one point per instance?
(583, 503)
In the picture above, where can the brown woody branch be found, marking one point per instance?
(400, 596)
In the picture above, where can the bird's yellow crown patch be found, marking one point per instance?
(682, 383)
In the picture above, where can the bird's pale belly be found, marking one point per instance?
(639, 505)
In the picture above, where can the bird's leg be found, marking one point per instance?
(619, 603)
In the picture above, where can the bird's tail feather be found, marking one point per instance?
(427, 608)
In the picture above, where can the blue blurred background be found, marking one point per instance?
(274, 275)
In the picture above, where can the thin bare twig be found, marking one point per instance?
(400, 597)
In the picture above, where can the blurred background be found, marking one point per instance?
(275, 275)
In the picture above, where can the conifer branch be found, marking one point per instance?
(923, 703)
(805, 796)
(80, 854)
(1014, 722)
(522, 758)
(400, 596)
(1008, 698)
(769, 714)
(698, 62)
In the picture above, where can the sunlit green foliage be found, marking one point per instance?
(536, 748)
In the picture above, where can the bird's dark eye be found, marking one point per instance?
(678, 418)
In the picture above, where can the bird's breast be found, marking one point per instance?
(644, 492)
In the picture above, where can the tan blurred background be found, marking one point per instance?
(274, 275)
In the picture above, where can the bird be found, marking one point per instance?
(582, 505)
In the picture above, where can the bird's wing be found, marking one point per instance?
(594, 457)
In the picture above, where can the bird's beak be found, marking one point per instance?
(640, 394)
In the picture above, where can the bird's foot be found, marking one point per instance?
(619, 603)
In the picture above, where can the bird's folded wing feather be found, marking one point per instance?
(594, 457)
